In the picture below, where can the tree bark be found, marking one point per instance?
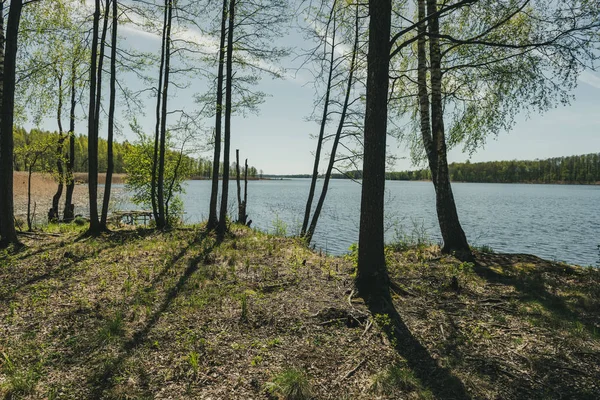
(29, 221)
(92, 131)
(455, 240)
(54, 213)
(315, 174)
(8, 233)
(241, 205)
(162, 220)
(336, 140)
(425, 119)
(153, 183)
(2, 42)
(245, 191)
(372, 281)
(214, 193)
(111, 118)
(222, 224)
(68, 213)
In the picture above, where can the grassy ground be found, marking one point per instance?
(138, 315)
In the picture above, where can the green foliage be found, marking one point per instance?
(19, 382)
(280, 228)
(138, 165)
(572, 169)
(290, 384)
(194, 361)
(353, 257)
(244, 304)
(112, 329)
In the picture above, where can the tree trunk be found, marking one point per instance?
(241, 205)
(425, 118)
(336, 140)
(453, 235)
(29, 222)
(245, 191)
(153, 183)
(69, 213)
(2, 42)
(315, 174)
(222, 225)
(54, 213)
(214, 193)
(111, 117)
(92, 131)
(372, 281)
(8, 234)
(161, 222)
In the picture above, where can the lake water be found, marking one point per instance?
(556, 222)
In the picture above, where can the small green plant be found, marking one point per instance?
(113, 328)
(244, 315)
(290, 384)
(194, 361)
(384, 322)
(353, 257)
(19, 382)
(257, 360)
(279, 226)
(484, 248)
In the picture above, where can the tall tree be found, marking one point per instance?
(92, 131)
(69, 212)
(455, 240)
(159, 88)
(222, 224)
(338, 134)
(8, 234)
(315, 174)
(54, 211)
(372, 280)
(161, 221)
(111, 116)
(212, 217)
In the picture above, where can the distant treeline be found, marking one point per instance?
(571, 169)
(200, 168)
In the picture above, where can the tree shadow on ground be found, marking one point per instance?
(60, 269)
(532, 286)
(440, 381)
(103, 380)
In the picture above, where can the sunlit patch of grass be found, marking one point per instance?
(290, 384)
(18, 381)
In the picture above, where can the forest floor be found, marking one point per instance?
(137, 314)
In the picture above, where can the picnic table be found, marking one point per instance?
(132, 217)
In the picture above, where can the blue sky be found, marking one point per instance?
(278, 141)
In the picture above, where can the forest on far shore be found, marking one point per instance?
(36, 148)
(581, 169)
